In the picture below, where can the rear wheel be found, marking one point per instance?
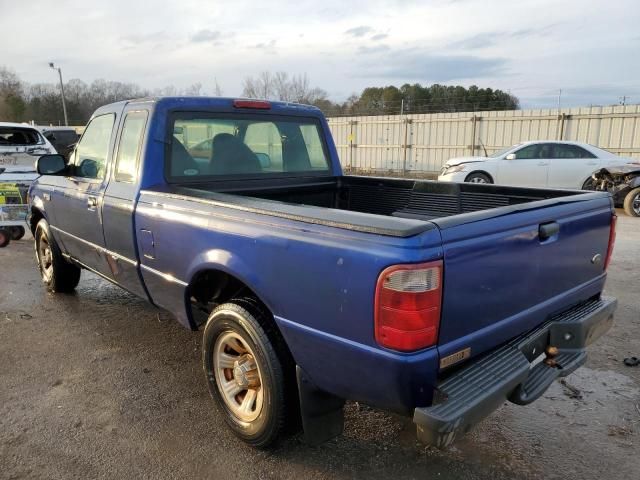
(57, 274)
(247, 373)
(478, 177)
(5, 237)
(632, 203)
(17, 232)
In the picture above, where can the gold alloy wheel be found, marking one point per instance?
(238, 376)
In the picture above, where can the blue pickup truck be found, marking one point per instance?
(434, 300)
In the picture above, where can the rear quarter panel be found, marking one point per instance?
(318, 281)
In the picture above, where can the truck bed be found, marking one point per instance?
(503, 276)
(395, 207)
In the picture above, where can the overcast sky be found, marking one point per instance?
(589, 48)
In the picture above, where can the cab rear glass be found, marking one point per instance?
(207, 146)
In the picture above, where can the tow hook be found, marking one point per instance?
(551, 352)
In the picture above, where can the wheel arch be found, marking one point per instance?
(35, 216)
(216, 277)
(590, 177)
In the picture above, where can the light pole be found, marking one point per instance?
(64, 105)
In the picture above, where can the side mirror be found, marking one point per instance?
(265, 160)
(511, 156)
(53, 164)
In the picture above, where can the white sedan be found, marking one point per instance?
(533, 164)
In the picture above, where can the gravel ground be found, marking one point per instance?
(101, 385)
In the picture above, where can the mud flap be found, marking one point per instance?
(322, 413)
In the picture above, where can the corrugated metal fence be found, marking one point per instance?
(419, 144)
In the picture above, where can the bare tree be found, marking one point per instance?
(280, 86)
(193, 90)
(299, 88)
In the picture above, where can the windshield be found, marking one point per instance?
(17, 136)
(205, 145)
(500, 153)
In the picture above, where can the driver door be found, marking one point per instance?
(78, 197)
(529, 168)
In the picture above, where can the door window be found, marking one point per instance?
(570, 151)
(537, 150)
(129, 148)
(93, 149)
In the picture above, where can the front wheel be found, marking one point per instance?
(478, 177)
(57, 274)
(632, 203)
(246, 374)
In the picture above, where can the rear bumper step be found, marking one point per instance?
(512, 373)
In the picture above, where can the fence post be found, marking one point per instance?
(405, 146)
(473, 135)
(352, 145)
(560, 128)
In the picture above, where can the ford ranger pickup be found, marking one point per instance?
(438, 301)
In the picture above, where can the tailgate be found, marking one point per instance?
(502, 277)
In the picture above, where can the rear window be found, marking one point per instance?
(207, 145)
(13, 136)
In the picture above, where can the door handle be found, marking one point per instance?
(542, 164)
(92, 202)
(548, 230)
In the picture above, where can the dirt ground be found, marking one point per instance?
(101, 385)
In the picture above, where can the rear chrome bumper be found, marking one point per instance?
(510, 372)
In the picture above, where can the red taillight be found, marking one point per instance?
(407, 306)
(612, 240)
(259, 104)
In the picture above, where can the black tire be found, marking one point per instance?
(17, 232)
(57, 274)
(254, 324)
(478, 177)
(5, 237)
(632, 203)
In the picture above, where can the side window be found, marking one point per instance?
(93, 148)
(264, 137)
(528, 152)
(538, 150)
(129, 148)
(571, 151)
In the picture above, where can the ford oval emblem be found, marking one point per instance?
(597, 259)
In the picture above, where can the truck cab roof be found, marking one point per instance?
(212, 103)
